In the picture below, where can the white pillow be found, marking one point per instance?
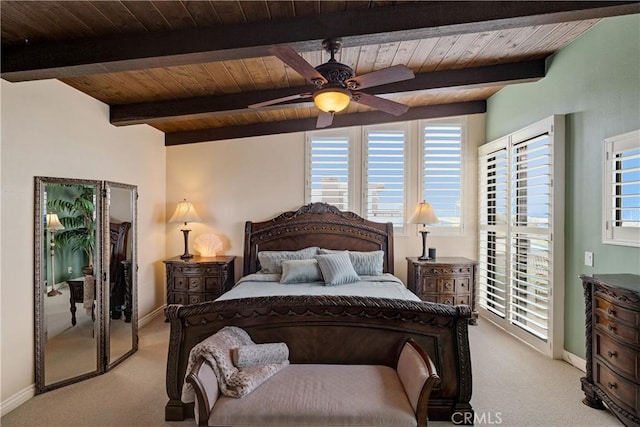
(300, 271)
(337, 269)
(271, 261)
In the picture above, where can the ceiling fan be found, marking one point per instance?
(336, 84)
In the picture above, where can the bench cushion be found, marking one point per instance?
(321, 395)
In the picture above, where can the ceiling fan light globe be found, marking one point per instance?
(332, 100)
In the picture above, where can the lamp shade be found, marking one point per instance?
(185, 212)
(53, 222)
(424, 214)
(332, 100)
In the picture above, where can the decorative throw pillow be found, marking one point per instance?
(364, 263)
(260, 354)
(300, 271)
(337, 269)
(271, 261)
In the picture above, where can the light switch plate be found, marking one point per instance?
(588, 259)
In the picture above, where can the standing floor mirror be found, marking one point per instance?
(85, 273)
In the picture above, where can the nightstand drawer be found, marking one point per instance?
(177, 298)
(452, 299)
(623, 359)
(447, 286)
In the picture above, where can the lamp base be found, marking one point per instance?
(186, 254)
(424, 256)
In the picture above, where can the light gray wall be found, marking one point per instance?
(595, 82)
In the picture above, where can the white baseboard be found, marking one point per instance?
(149, 317)
(17, 399)
(574, 360)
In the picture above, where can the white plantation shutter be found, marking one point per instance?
(385, 176)
(442, 170)
(530, 234)
(328, 170)
(492, 266)
(622, 190)
(520, 201)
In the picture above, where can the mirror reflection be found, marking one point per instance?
(121, 327)
(69, 241)
(85, 278)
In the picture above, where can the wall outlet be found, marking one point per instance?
(70, 270)
(588, 259)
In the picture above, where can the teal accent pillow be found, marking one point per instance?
(364, 263)
(337, 269)
(271, 261)
(300, 271)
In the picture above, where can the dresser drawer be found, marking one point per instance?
(428, 285)
(612, 327)
(625, 393)
(614, 311)
(621, 358)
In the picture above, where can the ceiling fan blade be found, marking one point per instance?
(298, 63)
(324, 119)
(381, 104)
(393, 74)
(278, 100)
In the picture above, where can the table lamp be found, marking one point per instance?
(424, 215)
(185, 212)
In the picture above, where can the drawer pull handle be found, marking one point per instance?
(611, 328)
(612, 385)
(611, 312)
(612, 353)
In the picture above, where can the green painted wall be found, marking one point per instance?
(595, 82)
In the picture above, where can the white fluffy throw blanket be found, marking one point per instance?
(217, 352)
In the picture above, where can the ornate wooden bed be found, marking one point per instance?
(330, 329)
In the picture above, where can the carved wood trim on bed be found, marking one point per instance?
(333, 329)
(316, 224)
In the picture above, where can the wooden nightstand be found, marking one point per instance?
(198, 279)
(445, 280)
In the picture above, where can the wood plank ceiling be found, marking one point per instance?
(191, 68)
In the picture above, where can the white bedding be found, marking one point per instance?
(260, 285)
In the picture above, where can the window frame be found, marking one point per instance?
(611, 234)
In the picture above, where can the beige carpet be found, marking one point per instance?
(513, 386)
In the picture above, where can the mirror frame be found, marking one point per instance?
(134, 269)
(41, 290)
(101, 272)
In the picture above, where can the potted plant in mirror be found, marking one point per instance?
(75, 205)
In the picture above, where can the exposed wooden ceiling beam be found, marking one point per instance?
(192, 108)
(411, 21)
(340, 120)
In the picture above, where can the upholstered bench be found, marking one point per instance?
(324, 395)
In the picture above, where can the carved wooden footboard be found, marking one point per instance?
(334, 330)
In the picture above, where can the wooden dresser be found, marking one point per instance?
(445, 280)
(613, 344)
(198, 279)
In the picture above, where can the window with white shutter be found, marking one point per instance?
(442, 171)
(328, 163)
(384, 175)
(521, 207)
(621, 205)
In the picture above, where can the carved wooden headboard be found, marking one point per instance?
(316, 224)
